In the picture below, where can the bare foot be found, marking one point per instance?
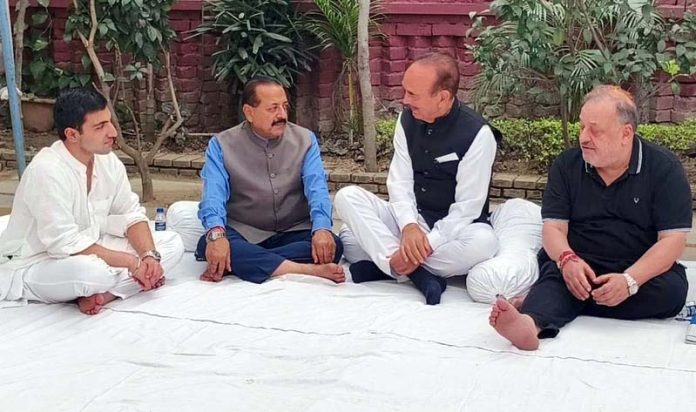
(91, 305)
(210, 277)
(401, 266)
(329, 271)
(519, 329)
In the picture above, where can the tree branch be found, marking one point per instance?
(168, 129)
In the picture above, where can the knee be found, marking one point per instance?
(346, 196)
(483, 245)
(673, 291)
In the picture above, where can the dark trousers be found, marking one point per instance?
(551, 304)
(256, 262)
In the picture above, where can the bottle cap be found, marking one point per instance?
(160, 210)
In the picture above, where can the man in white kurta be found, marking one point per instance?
(435, 224)
(76, 230)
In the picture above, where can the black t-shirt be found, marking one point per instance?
(611, 227)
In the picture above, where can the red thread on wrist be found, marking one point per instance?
(565, 257)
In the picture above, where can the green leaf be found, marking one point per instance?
(681, 50)
(661, 45)
(139, 39)
(84, 79)
(44, 3)
(86, 61)
(37, 68)
(39, 18)
(607, 66)
(103, 29)
(258, 42)
(647, 12)
(39, 44)
(676, 88)
(152, 33)
(587, 35)
(108, 77)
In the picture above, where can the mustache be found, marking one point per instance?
(282, 121)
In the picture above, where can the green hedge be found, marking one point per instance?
(540, 141)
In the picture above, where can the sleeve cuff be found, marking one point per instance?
(320, 224)
(435, 239)
(80, 244)
(212, 222)
(117, 225)
(404, 215)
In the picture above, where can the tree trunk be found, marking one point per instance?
(351, 106)
(149, 123)
(365, 76)
(148, 189)
(19, 40)
(564, 120)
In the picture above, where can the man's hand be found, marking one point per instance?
(415, 247)
(217, 253)
(153, 271)
(401, 266)
(577, 275)
(147, 272)
(613, 291)
(323, 247)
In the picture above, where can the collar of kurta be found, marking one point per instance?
(60, 148)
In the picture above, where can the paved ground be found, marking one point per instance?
(169, 189)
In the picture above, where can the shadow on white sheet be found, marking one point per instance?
(304, 344)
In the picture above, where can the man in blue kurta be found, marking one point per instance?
(265, 206)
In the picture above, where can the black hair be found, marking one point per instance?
(73, 105)
(249, 94)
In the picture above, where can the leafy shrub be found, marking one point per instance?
(256, 38)
(540, 141)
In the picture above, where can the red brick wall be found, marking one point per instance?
(411, 28)
(206, 103)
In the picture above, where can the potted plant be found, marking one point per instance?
(40, 79)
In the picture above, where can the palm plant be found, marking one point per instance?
(336, 24)
(566, 47)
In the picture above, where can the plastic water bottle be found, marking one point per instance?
(160, 219)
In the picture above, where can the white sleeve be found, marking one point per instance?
(125, 209)
(400, 180)
(48, 196)
(473, 180)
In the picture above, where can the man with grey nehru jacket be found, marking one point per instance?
(265, 205)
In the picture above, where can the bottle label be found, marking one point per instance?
(160, 226)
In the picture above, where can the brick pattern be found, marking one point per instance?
(206, 104)
(410, 28)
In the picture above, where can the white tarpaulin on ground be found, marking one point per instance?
(304, 344)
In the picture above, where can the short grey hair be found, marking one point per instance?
(623, 101)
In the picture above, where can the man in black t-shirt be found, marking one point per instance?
(616, 213)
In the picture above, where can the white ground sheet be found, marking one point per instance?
(304, 344)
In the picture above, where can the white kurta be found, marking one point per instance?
(53, 215)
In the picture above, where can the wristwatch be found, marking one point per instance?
(152, 254)
(632, 284)
(215, 234)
